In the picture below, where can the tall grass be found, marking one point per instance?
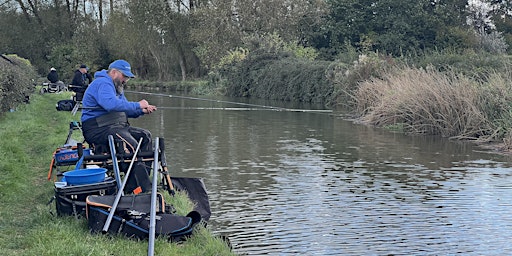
(430, 102)
(28, 137)
(496, 102)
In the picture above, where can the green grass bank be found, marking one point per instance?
(28, 138)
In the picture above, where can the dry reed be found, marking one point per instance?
(424, 101)
(496, 102)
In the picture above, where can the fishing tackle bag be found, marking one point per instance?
(71, 200)
(132, 215)
(65, 105)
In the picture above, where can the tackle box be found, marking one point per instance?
(70, 200)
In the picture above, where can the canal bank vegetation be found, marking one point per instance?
(460, 95)
(466, 97)
(29, 135)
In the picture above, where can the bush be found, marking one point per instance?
(346, 77)
(271, 68)
(476, 65)
(492, 42)
(16, 82)
(278, 77)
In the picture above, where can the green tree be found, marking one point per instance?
(224, 25)
(391, 26)
(501, 16)
(34, 29)
(159, 32)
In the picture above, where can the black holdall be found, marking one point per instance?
(132, 217)
(65, 105)
(71, 200)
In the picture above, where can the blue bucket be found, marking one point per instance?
(85, 176)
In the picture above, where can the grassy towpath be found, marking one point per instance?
(28, 137)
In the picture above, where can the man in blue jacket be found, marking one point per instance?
(106, 111)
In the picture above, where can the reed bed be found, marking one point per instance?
(425, 101)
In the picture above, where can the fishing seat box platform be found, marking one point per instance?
(70, 200)
(131, 217)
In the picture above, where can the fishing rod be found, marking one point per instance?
(236, 109)
(252, 109)
(254, 106)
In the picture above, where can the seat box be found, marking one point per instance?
(70, 200)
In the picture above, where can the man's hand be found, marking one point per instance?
(146, 108)
(143, 104)
(150, 109)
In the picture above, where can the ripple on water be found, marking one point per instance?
(363, 212)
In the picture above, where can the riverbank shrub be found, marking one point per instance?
(496, 102)
(271, 68)
(17, 78)
(476, 65)
(346, 74)
(277, 76)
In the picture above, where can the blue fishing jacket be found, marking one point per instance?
(101, 98)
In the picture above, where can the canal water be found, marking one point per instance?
(302, 183)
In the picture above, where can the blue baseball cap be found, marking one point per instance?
(123, 66)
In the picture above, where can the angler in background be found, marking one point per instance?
(81, 79)
(53, 77)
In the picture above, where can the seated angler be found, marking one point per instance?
(53, 77)
(81, 79)
(106, 111)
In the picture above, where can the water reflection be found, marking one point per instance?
(286, 183)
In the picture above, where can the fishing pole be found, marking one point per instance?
(255, 106)
(252, 109)
(236, 109)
